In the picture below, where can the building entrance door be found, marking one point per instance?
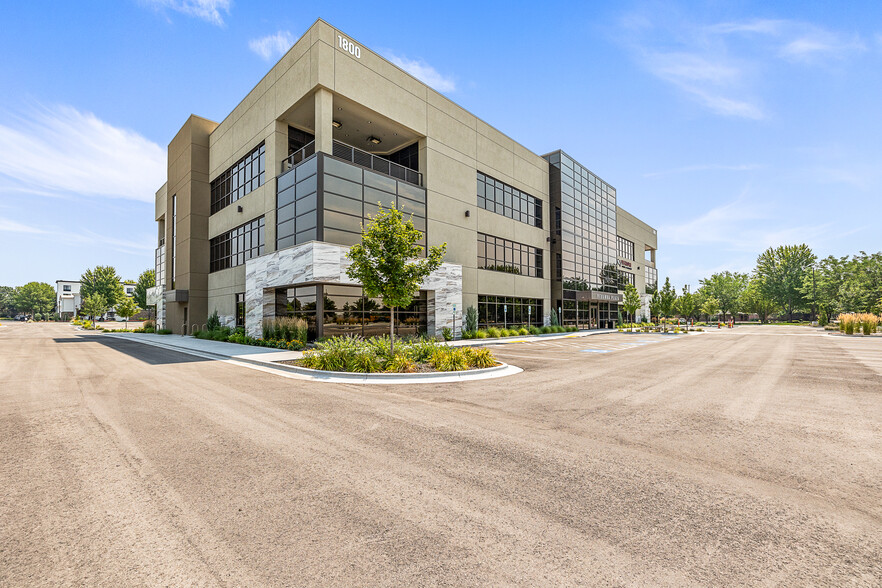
(593, 315)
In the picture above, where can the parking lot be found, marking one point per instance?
(734, 457)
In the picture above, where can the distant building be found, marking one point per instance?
(68, 299)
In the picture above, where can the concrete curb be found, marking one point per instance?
(499, 371)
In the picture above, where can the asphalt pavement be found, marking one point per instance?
(750, 456)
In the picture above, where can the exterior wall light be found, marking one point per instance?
(374, 140)
(337, 124)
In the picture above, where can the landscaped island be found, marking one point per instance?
(358, 355)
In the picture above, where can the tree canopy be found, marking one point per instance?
(726, 287)
(103, 280)
(386, 261)
(146, 280)
(35, 297)
(94, 305)
(782, 271)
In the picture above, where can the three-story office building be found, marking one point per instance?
(258, 210)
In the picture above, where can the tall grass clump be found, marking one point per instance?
(285, 328)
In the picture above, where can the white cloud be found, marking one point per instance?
(272, 46)
(207, 10)
(8, 226)
(84, 237)
(425, 73)
(740, 225)
(62, 151)
(719, 65)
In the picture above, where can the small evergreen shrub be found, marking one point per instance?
(547, 329)
(523, 331)
(534, 330)
(493, 333)
(447, 333)
(471, 319)
(213, 322)
(164, 332)
(481, 334)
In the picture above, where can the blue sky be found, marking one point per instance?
(729, 126)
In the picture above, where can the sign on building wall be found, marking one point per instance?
(348, 46)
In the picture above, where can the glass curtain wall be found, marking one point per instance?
(585, 242)
(345, 310)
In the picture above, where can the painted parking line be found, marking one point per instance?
(597, 350)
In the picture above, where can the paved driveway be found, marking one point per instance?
(742, 457)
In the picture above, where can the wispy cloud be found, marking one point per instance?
(61, 151)
(425, 73)
(207, 10)
(84, 237)
(272, 46)
(740, 225)
(8, 226)
(701, 168)
(720, 65)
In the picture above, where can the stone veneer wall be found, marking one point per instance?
(315, 263)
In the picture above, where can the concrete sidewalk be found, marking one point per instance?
(266, 357)
(217, 349)
(528, 338)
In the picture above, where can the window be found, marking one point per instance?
(509, 311)
(502, 255)
(66, 288)
(237, 246)
(651, 275)
(625, 278)
(625, 248)
(506, 200)
(240, 309)
(240, 179)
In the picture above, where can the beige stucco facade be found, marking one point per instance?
(321, 81)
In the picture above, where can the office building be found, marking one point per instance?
(258, 210)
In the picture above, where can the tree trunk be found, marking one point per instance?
(392, 332)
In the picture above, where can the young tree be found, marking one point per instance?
(667, 299)
(127, 309)
(631, 302)
(386, 264)
(655, 305)
(710, 307)
(726, 287)
(103, 280)
(146, 280)
(782, 271)
(94, 305)
(35, 297)
(686, 305)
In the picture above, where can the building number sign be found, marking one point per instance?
(349, 46)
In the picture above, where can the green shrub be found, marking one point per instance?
(471, 319)
(447, 333)
(400, 363)
(468, 334)
(481, 334)
(494, 333)
(38, 316)
(523, 331)
(220, 334)
(547, 329)
(849, 328)
(572, 328)
(213, 322)
(534, 330)
(163, 332)
(480, 357)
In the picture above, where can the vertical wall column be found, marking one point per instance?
(324, 117)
